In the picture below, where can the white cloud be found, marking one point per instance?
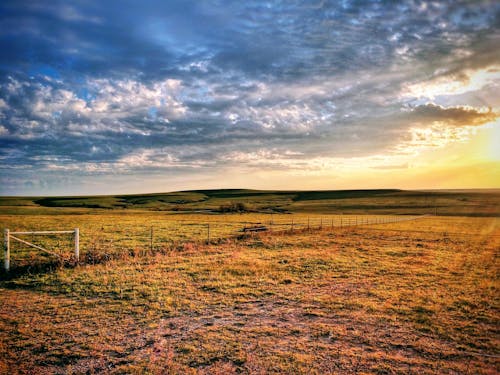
(126, 97)
(453, 84)
(49, 103)
(58, 110)
(435, 136)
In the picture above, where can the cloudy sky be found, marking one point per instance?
(101, 97)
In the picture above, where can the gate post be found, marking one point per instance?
(6, 240)
(77, 244)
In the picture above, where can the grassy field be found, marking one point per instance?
(418, 297)
(112, 233)
(389, 201)
(315, 293)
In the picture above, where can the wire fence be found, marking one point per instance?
(116, 237)
(165, 235)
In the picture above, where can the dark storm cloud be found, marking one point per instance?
(456, 116)
(96, 87)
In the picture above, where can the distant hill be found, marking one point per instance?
(382, 201)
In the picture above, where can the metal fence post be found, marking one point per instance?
(151, 239)
(77, 244)
(6, 240)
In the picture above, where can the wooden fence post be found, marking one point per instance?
(77, 244)
(208, 233)
(6, 240)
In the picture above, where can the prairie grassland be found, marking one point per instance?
(417, 297)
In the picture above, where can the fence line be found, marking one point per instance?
(122, 237)
(223, 229)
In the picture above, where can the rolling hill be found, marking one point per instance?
(382, 201)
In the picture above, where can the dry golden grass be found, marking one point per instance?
(111, 234)
(416, 297)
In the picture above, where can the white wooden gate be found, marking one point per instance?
(8, 235)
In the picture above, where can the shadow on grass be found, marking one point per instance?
(34, 268)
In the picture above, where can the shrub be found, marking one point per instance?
(233, 207)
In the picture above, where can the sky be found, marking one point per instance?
(108, 97)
